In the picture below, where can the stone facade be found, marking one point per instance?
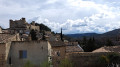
(58, 55)
(73, 47)
(21, 26)
(58, 52)
(0, 30)
(37, 52)
(108, 49)
(86, 59)
(52, 37)
(2, 55)
(5, 43)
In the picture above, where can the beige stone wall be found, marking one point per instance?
(2, 48)
(18, 23)
(2, 55)
(21, 26)
(34, 27)
(49, 52)
(85, 59)
(5, 49)
(57, 59)
(37, 52)
(0, 30)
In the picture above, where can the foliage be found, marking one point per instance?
(43, 27)
(45, 64)
(28, 64)
(43, 36)
(88, 45)
(33, 34)
(110, 59)
(114, 58)
(109, 43)
(104, 59)
(66, 63)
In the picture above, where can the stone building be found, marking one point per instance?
(5, 43)
(86, 59)
(52, 37)
(37, 52)
(115, 49)
(73, 47)
(0, 30)
(15, 53)
(21, 26)
(58, 52)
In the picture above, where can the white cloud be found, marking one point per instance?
(76, 16)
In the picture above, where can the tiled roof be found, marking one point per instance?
(4, 37)
(56, 43)
(108, 49)
(74, 48)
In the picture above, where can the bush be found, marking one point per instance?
(66, 63)
(28, 64)
(45, 64)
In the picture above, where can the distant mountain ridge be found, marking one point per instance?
(112, 33)
(81, 35)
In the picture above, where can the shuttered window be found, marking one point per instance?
(22, 54)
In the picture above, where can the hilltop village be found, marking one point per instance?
(24, 43)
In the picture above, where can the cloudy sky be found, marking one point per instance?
(74, 16)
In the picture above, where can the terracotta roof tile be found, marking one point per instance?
(74, 48)
(56, 43)
(108, 49)
(4, 37)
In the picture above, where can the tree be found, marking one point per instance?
(114, 58)
(28, 64)
(33, 35)
(89, 45)
(43, 36)
(104, 59)
(43, 27)
(110, 60)
(109, 43)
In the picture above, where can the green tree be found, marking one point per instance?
(66, 63)
(43, 27)
(110, 59)
(114, 58)
(90, 45)
(104, 59)
(43, 36)
(109, 43)
(33, 34)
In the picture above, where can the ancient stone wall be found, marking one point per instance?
(5, 48)
(85, 59)
(18, 23)
(34, 27)
(0, 30)
(2, 54)
(37, 52)
(21, 26)
(58, 54)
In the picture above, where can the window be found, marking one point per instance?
(22, 54)
(58, 53)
